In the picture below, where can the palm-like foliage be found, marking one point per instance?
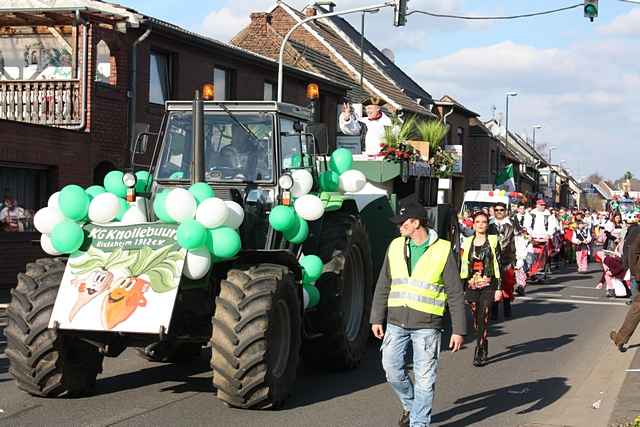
(628, 176)
(433, 132)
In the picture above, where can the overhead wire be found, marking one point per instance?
(526, 15)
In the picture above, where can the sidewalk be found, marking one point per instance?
(627, 406)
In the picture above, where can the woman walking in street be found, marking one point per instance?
(581, 238)
(480, 270)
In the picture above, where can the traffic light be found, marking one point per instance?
(590, 9)
(400, 13)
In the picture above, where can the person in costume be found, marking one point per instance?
(371, 128)
(480, 270)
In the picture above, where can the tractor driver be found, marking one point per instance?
(245, 155)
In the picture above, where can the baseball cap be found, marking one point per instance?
(410, 210)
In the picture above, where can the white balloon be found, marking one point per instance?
(236, 215)
(309, 207)
(305, 298)
(212, 212)
(104, 208)
(181, 205)
(46, 218)
(47, 246)
(197, 263)
(352, 181)
(53, 200)
(133, 216)
(302, 182)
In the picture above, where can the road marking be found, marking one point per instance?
(585, 287)
(573, 301)
(580, 296)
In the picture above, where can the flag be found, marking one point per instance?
(505, 180)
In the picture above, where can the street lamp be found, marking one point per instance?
(506, 127)
(534, 134)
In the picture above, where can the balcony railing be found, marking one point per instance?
(43, 102)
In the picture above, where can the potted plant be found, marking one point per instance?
(441, 161)
(396, 147)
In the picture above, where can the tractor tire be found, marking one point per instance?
(345, 303)
(171, 352)
(42, 361)
(257, 334)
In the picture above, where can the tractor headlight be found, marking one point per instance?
(286, 182)
(129, 180)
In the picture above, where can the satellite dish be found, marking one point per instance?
(389, 54)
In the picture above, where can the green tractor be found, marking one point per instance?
(250, 309)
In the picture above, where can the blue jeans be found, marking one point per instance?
(416, 398)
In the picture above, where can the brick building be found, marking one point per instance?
(69, 106)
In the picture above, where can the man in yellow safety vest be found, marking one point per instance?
(418, 281)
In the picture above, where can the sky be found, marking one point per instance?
(579, 80)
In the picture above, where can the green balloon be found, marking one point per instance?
(74, 202)
(159, 207)
(329, 181)
(191, 234)
(299, 234)
(177, 175)
(341, 160)
(114, 185)
(94, 190)
(201, 191)
(124, 207)
(312, 267)
(282, 218)
(143, 182)
(67, 237)
(224, 242)
(296, 161)
(314, 294)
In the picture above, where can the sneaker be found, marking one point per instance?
(613, 335)
(520, 290)
(404, 419)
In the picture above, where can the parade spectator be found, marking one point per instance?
(518, 217)
(480, 269)
(418, 280)
(524, 251)
(633, 231)
(12, 216)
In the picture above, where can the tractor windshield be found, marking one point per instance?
(237, 148)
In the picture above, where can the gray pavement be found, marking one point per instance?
(548, 366)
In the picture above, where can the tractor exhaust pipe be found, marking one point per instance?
(197, 174)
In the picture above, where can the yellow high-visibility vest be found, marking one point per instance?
(423, 290)
(466, 248)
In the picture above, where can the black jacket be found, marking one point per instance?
(413, 319)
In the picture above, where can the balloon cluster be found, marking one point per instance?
(292, 221)
(208, 225)
(499, 193)
(312, 267)
(67, 210)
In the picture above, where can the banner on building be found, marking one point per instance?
(505, 180)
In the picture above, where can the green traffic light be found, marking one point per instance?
(591, 10)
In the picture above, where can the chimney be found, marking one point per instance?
(309, 11)
(261, 18)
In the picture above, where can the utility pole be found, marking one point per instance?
(534, 134)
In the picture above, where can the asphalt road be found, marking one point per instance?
(548, 366)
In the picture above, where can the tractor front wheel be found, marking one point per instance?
(257, 333)
(44, 362)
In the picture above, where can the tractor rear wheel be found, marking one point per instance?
(345, 303)
(257, 333)
(42, 361)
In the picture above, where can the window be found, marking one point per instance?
(222, 83)
(269, 93)
(293, 147)
(159, 78)
(24, 191)
(105, 64)
(460, 133)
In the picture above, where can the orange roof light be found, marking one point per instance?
(313, 91)
(208, 91)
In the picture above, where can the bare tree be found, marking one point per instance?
(595, 178)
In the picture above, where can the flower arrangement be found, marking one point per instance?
(395, 147)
